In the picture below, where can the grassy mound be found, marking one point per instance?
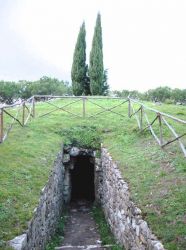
(157, 178)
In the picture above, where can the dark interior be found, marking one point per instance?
(82, 179)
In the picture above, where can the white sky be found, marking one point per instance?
(144, 40)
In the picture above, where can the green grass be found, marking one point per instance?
(81, 136)
(104, 230)
(157, 178)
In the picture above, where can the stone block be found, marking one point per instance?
(19, 242)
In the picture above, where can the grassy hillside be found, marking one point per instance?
(157, 178)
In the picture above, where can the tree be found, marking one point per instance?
(159, 94)
(49, 86)
(79, 67)
(96, 69)
(105, 86)
(8, 92)
(179, 95)
(87, 83)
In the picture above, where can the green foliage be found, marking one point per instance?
(125, 93)
(80, 81)
(82, 136)
(96, 68)
(49, 86)
(104, 230)
(87, 90)
(160, 94)
(9, 91)
(179, 95)
(25, 89)
(93, 80)
(105, 86)
(169, 101)
(165, 94)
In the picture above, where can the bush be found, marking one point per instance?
(169, 101)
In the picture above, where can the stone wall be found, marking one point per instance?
(123, 216)
(47, 214)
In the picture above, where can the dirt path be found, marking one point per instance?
(80, 230)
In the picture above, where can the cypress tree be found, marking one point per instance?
(96, 69)
(79, 67)
(105, 86)
(87, 83)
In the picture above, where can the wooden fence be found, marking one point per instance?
(27, 109)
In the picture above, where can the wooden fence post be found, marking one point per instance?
(1, 125)
(141, 118)
(23, 114)
(84, 108)
(33, 107)
(129, 108)
(161, 132)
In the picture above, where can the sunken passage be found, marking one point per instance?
(80, 230)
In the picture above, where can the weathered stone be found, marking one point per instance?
(137, 211)
(133, 223)
(66, 158)
(74, 151)
(19, 242)
(144, 227)
(153, 237)
(122, 212)
(137, 230)
(128, 220)
(98, 162)
(158, 246)
(138, 242)
(143, 240)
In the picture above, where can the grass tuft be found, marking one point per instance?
(81, 136)
(104, 230)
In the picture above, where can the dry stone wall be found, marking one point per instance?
(47, 214)
(123, 216)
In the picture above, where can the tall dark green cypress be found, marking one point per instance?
(96, 69)
(79, 67)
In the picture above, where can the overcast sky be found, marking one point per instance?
(144, 40)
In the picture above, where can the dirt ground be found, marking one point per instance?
(80, 229)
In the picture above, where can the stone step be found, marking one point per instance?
(76, 248)
(88, 247)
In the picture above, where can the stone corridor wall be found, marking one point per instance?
(123, 216)
(47, 214)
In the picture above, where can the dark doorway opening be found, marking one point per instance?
(82, 179)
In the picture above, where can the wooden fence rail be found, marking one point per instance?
(141, 114)
(27, 110)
